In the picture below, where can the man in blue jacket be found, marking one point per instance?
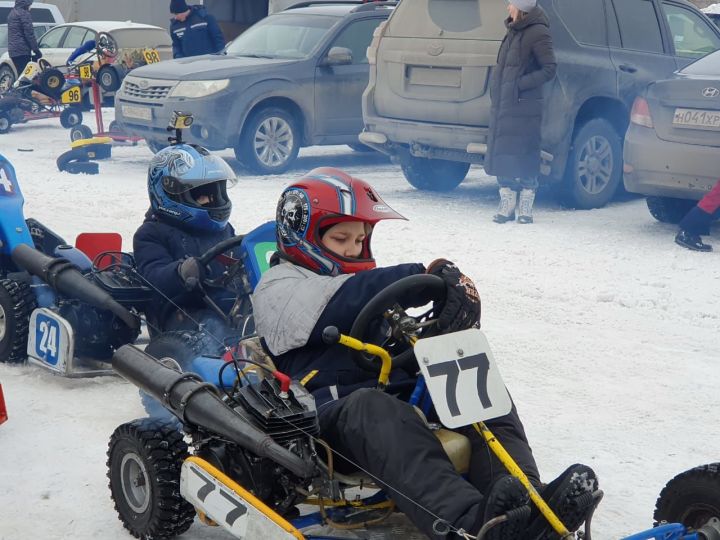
(21, 36)
(194, 31)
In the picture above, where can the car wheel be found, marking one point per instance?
(669, 210)
(7, 78)
(269, 142)
(691, 498)
(594, 167)
(70, 117)
(80, 132)
(434, 174)
(5, 123)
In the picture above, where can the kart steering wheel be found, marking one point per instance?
(211, 254)
(106, 45)
(387, 304)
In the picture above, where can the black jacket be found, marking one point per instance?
(21, 34)
(526, 61)
(198, 34)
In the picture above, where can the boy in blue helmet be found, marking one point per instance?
(324, 274)
(189, 213)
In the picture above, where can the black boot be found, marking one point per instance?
(506, 496)
(691, 241)
(565, 496)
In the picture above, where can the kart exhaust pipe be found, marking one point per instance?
(197, 403)
(62, 276)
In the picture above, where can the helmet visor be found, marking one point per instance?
(215, 169)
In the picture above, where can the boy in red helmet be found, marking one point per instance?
(323, 275)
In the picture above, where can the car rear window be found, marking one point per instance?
(285, 35)
(41, 15)
(448, 19)
(136, 38)
(707, 65)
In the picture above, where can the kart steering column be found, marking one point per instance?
(331, 335)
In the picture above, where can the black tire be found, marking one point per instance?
(691, 498)
(362, 148)
(277, 130)
(669, 210)
(144, 462)
(51, 82)
(109, 78)
(114, 128)
(7, 78)
(80, 132)
(594, 167)
(17, 303)
(71, 117)
(183, 346)
(5, 123)
(434, 174)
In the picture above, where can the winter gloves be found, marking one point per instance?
(191, 272)
(461, 308)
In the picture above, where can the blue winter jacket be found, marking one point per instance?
(160, 247)
(198, 34)
(21, 35)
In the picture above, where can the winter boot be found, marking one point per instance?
(527, 198)
(506, 496)
(569, 497)
(691, 241)
(506, 210)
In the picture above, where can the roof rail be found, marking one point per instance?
(362, 5)
(369, 5)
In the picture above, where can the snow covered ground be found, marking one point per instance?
(712, 8)
(607, 333)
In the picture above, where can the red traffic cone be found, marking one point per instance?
(3, 409)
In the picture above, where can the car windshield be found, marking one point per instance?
(707, 65)
(131, 38)
(286, 35)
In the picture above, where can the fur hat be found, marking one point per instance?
(524, 5)
(178, 6)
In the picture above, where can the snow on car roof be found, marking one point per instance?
(712, 8)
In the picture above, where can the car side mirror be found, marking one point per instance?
(338, 56)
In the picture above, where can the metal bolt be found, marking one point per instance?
(460, 352)
(425, 360)
(396, 317)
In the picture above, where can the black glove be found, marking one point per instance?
(37, 54)
(191, 272)
(461, 308)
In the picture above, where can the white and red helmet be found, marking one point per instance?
(323, 197)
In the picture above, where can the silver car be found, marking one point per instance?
(672, 147)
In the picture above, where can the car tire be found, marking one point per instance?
(71, 117)
(7, 78)
(80, 132)
(669, 210)
(17, 302)
(434, 174)
(691, 498)
(5, 123)
(269, 142)
(594, 167)
(115, 128)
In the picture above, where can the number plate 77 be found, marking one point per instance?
(462, 377)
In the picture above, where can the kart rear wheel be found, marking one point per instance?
(71, 117)
(109, 78)
(5, 122)
(144, 461)
(17, 303)
(691, 498)
(51, 82)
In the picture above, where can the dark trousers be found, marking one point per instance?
(388, 439)
(20, 63)
(516, 184)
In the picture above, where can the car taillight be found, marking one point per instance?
(373, 48)
(640, 113)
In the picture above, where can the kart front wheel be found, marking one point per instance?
(691, 498)
(144, 461)
(80, 132)
(5, 123)
(17, 303)
(71, 117)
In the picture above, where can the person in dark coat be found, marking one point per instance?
(189, 213)
(525, 62)
(697, 221)
(194, 31)
(22, 44)
(324, 275)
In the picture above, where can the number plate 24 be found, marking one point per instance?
(50, 340)
(462, 378)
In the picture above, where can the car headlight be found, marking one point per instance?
(196, 89)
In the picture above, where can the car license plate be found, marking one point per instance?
(696, 118)
(141, 113)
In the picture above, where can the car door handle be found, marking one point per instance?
(627, 68)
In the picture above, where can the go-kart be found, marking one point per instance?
(243, 449)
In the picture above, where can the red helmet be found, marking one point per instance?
(323, 197)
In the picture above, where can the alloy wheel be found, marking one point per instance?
(273, 141)
(135, 483)
(595, 165)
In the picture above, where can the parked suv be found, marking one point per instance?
(294, 79)
(428, 104)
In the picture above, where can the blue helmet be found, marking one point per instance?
(188, 185)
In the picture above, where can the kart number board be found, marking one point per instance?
(463, 378)
(71, 95)
(696, 118)
(85, 72)
(50, 341)
(142, 113)
(151, 56)
(229, 505)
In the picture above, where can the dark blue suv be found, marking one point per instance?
(294, 79)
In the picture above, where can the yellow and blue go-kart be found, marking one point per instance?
(243, 450)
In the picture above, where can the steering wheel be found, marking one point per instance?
(214, 252)
(43, 64)
(106, 45)
(387, 305)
